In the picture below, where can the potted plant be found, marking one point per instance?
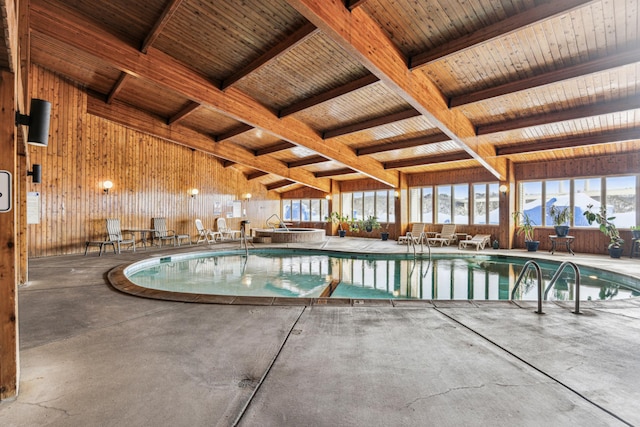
(370, 223)
(525, 226)
(336, 218)
(385, 233)
(608, 228)
(561, 216)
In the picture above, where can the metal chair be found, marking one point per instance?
(115, 235)
(161, 233)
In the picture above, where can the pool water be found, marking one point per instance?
(302, 273)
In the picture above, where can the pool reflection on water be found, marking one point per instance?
(299, 273)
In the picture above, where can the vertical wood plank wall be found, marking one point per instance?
(151, 177)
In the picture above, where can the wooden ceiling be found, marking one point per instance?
(301, 92)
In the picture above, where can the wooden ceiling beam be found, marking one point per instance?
(227, 163)
(407, 143)
(368, 124)
(280, 146)
(239, 130)
(335, 172)
(330, 94)
(115, 90)
(255, 175)
(66, 25)
(298, 36)
(491, 32)
(141, 121)
(352, 4)
(561, 116)
(427, 160)
(188, 109)
(364, 40)
(307, 161)
(279, 184)
(167, 13)
(578, 141)
(597, 65)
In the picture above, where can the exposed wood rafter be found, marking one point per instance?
(188, 109)
(279, 184)
(160, 24)
(255, 175)
(280, 146)
(407, 143)
(427, 160)
(307, 161)
(335, 172)
(368, 124)
(233, 132)
(115, 90)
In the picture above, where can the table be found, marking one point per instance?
(143, 234)
(568, 240)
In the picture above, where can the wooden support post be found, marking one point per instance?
(507, 206)
(8, 246)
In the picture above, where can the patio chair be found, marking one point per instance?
(446, 236)
(416, 235)
(161, 233)
(226, 232)
(206, 234)
(115, 235)
(479, 241)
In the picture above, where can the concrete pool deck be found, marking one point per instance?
(90, 355)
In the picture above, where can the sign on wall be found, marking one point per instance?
(33, 207)
(5, 191)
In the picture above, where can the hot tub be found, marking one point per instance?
(291, 235)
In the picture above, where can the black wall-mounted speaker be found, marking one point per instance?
(35, 173)
(39, 123)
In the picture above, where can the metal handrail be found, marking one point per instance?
(556, 276)
(530, 263)
(280, 222)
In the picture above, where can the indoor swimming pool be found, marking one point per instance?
(299, 273)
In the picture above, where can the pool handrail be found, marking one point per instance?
(280, 222)
(555, 277)
(530, 263)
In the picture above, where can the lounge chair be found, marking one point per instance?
(205, 234)
(479, 241)
(415, 236)
(161, 233)
(446, 236)
(115, 236)
(226, 232)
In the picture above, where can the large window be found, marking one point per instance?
(421, 204)
(297, 210)
(450, 203)
(360, 205)
(486, 204)
(617, 192)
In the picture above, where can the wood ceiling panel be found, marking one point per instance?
(130, 20)
(73, 63)
(426, 150)
(199, 29)
(315, 66)
(150, 97)
(396, 131)
(570, 153)
(370, 102)
(618, 83)
(438, 167)
(208, 121)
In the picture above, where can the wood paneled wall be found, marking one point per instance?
(151, 178)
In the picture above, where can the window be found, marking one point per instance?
(486, 204)
(380, 204)
(461, 204)
(304, 209)
(617, 192)
(443, 202)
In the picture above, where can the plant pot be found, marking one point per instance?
(615, 252)
(562, 230)
(532, 245)
(496, 244)
(384, 235)
(342, 233)
(368, 229)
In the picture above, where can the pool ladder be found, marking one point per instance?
(531, 263)
(279, 223)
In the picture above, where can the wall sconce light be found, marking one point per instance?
(503, 189)
(107, 185)
(396, 193)
(35, 173)
(38, 122)
(193, 193)
(328, 197)
(247, 196)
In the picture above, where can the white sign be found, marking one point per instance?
(5, 191)
(33, 208)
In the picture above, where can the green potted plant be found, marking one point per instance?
(525, 226)
(607, 227)
(370, 223)
(336, 218)
(384, 235)
(561, 217)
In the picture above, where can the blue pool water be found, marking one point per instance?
(312, 274)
